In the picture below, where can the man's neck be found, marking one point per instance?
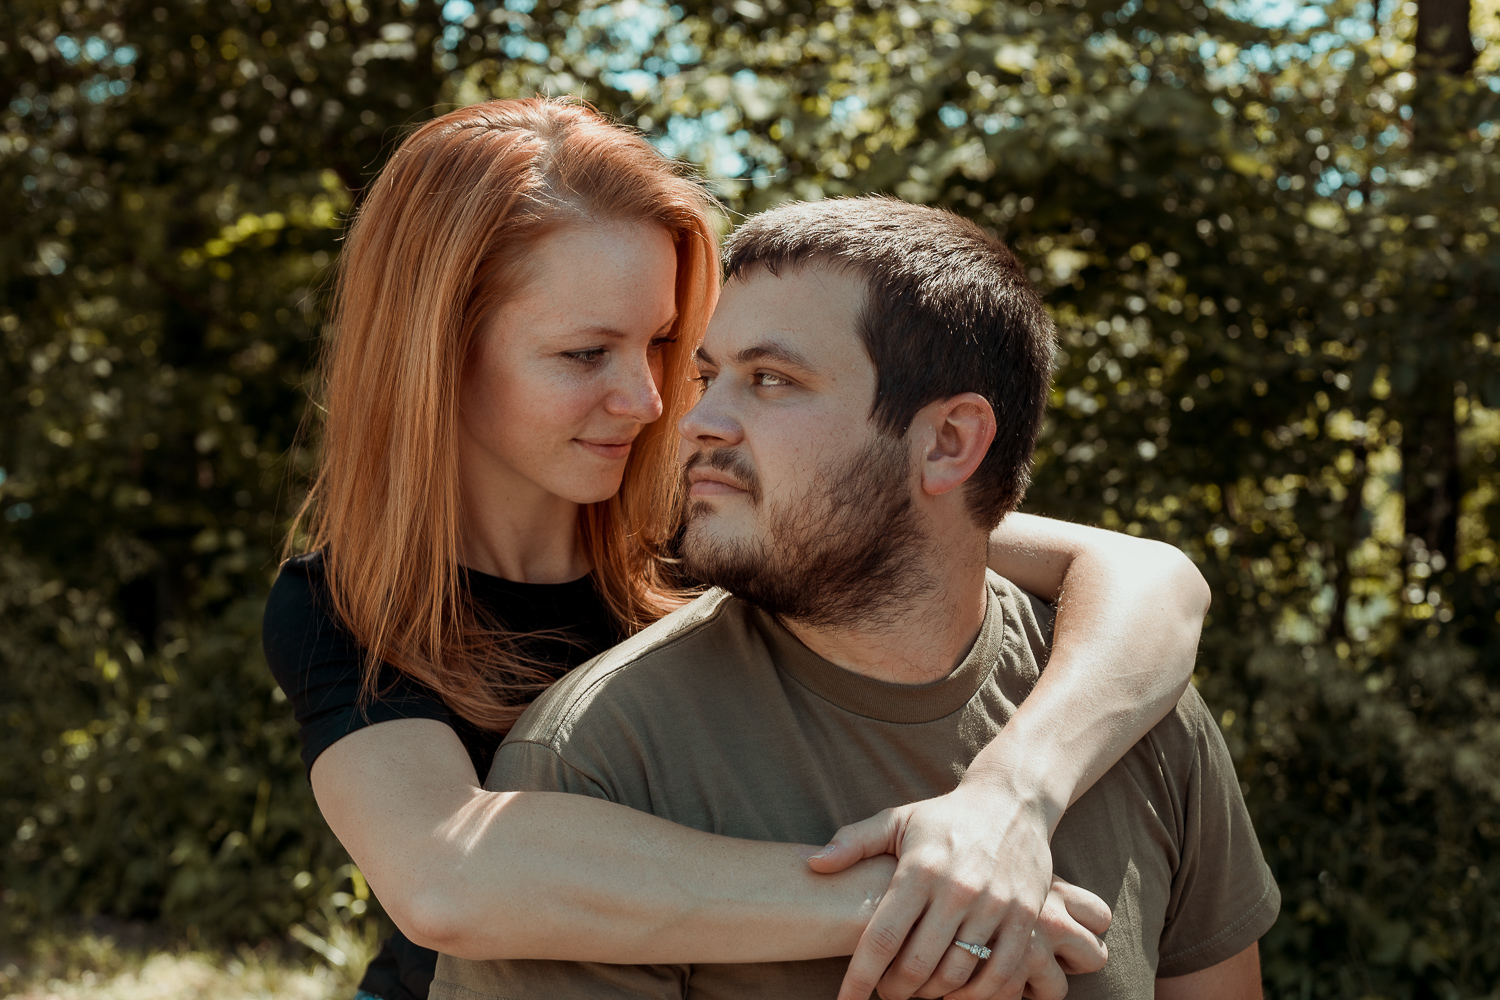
(922, 641)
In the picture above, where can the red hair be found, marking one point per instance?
(437, 245)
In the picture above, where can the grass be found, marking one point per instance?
(118, 961)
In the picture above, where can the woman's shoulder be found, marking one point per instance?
(298, 614)
(301, 573)
(320, 665)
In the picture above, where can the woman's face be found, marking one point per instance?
(564, 376)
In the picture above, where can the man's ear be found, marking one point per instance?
(955, 434)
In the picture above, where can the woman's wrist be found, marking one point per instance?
(1028, 773)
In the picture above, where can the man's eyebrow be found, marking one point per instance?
(772, 351)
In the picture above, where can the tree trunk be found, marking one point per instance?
(1444, 41)
(1431, 482)
(1429, 465)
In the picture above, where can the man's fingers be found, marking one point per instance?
(881, 941)
(857, 841)
(1083, 906)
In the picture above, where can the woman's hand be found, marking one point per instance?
(1067, 941)
(974, 865)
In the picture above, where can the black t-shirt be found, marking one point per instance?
(318, 665)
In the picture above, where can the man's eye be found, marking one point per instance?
(586, 356)
(704, 380)
(768, 379)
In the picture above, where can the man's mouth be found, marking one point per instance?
(720, 473)
(712, 483)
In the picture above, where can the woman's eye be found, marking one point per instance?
(588, 355)
(768, 379)
(661, 342)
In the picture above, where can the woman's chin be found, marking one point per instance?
(594, 490)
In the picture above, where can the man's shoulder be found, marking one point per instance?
(1028, 618)
(1189, 741)
(640, 674)
(1182, 756)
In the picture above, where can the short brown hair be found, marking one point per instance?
(949, 310)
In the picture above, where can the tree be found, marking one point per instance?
(1273, 256)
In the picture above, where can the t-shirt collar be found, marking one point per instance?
(883, 700)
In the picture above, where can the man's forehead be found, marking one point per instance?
(806, 315)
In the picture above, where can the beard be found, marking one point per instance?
(838, 556)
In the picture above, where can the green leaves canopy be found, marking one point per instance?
(1273, 256)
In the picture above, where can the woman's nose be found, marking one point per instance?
(634, 394)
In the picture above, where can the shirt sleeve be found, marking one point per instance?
(526, 766)
(1223, 896)
(318, 665)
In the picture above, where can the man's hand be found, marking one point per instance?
(974, 865)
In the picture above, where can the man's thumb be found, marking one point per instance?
(857, 841)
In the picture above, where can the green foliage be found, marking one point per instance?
(1274, 258)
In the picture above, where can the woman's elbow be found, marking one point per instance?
(435, 918)
(1179, 581)
(1190, 586)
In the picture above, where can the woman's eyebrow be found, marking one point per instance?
(617, 334)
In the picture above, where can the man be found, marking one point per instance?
(874, 383)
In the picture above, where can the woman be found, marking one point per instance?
(516, 310)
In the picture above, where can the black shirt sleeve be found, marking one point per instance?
(319, 666)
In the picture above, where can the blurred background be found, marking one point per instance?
(1269, 232)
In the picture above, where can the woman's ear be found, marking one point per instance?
(957, 433)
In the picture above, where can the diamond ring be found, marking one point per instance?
(979, 951)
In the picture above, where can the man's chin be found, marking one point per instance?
(706, 528)
(710, 541)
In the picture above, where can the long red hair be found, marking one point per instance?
(437, 245)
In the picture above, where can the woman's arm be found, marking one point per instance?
(1125, 640)
(1129, 612)
(487, 875)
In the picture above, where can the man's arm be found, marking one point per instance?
(1236, 978)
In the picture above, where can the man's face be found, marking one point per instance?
(797, 501)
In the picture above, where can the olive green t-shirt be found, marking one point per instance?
(718, 718)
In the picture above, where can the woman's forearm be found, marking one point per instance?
(604, 883)
(1129, 612)
(488, 875)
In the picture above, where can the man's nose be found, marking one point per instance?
(634, 394)
(710, 423)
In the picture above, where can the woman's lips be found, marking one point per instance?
(606, 449)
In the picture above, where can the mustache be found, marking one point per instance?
(727, 460)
